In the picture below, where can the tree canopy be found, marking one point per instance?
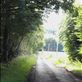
(20, 18)
(71, 33)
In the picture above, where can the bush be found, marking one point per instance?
(17, 69)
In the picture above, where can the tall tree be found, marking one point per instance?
(21, 17)
(71, 34)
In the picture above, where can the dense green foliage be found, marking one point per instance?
(22, 33)
(78, 21)
(17, 21)
(32, 42)
(71, 34)
(20, 18)
(17, 69)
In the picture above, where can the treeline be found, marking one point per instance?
(20, 23)
(51, 45)
(71, 33)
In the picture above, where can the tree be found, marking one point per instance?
(78, 25)
(71, 34)
(21, 17)
(33, 41)
(51, 45)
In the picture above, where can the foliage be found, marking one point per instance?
(79, 27)
(51, 45)
(71, 34)
(76, 66)
(33, 41)
(21, 17)
(17, 69)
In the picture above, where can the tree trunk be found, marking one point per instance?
(5, 13)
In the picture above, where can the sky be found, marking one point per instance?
(52, 23)
(53, 20)
(79, 2)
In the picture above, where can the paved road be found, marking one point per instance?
(44, 71)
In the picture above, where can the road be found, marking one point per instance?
(44, 71)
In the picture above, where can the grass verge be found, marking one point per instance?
(74, 67)
(17, 69)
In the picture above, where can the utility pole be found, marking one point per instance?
(57, 46)
(48, 46)
(57, 39)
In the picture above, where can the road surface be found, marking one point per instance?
(44, 71)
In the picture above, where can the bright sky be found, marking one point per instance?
(79, 2)
(52, 23)
(53, 20)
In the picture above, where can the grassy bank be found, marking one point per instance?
(75, 67)
(63, 61)
(17, 69)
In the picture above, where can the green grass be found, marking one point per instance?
(17, 69)
(58, 62)
(75, 67)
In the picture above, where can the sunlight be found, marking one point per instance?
(78, 2)
(41, 40)
(52, 23)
